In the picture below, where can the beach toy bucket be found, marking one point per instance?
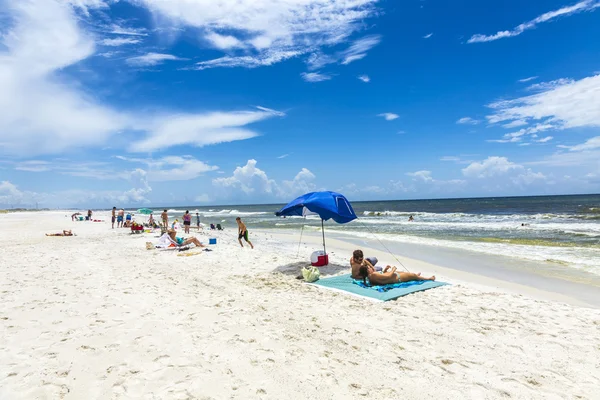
(81, 218)
(212, 241)
(319, 259)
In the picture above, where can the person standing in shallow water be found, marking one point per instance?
(243, 232)
(187, 221)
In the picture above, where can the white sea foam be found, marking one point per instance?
(587, 259)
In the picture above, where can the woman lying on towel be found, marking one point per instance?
(389, 275)
(64, 233)
(183, 242)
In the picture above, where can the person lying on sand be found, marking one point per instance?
(64, 233)
(182, 241)
(389, 275)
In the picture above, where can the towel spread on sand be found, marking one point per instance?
(345, 283)
(389, 286)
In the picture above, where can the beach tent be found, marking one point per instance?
(327, 205)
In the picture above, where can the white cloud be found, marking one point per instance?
(12, 196)
(586, 5)
(356, 51)
(315, 77)
(44, 110)
(172, 168)
(33, 166)
(590, 144)
(450, 158)
(572, 105)
(151, 59)
(44, 39)
(268, 31)
(200, 129)
(250, 182)
(389, 116)
(428, 36)
(515, 124)
(364, 78)
(504, 173)
(119, 41)
(302, 183)
(545, 139)
(248, 179)
(517, 136)
(490, 167)
(283, 156)
(262, 60)
(122, 30)
(528, 79)
(468, 121)
(544, 86)
(224, 42)
(424, 176)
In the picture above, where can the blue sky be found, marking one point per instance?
(149, 102)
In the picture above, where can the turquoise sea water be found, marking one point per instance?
(564, 230)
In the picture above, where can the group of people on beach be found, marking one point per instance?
(187, 222)
(122, 220)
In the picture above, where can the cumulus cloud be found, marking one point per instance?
(424, 176)
(389, 116)
(586, 5)
(364, 78)
(501, 167)
(490, 167)
(250, 182)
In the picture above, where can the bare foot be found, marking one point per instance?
(418, 274)
(432, 278)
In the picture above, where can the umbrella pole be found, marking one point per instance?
(323, 230)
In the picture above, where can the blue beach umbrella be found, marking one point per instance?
(145, 211)
(328, 205)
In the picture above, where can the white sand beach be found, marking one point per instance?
(97, 316)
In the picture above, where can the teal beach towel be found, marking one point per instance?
(345, 283)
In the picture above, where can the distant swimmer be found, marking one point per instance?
(525, 224)
(410, 219)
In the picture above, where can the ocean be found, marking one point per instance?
(563, 230)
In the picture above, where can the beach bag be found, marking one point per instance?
(311, 274)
